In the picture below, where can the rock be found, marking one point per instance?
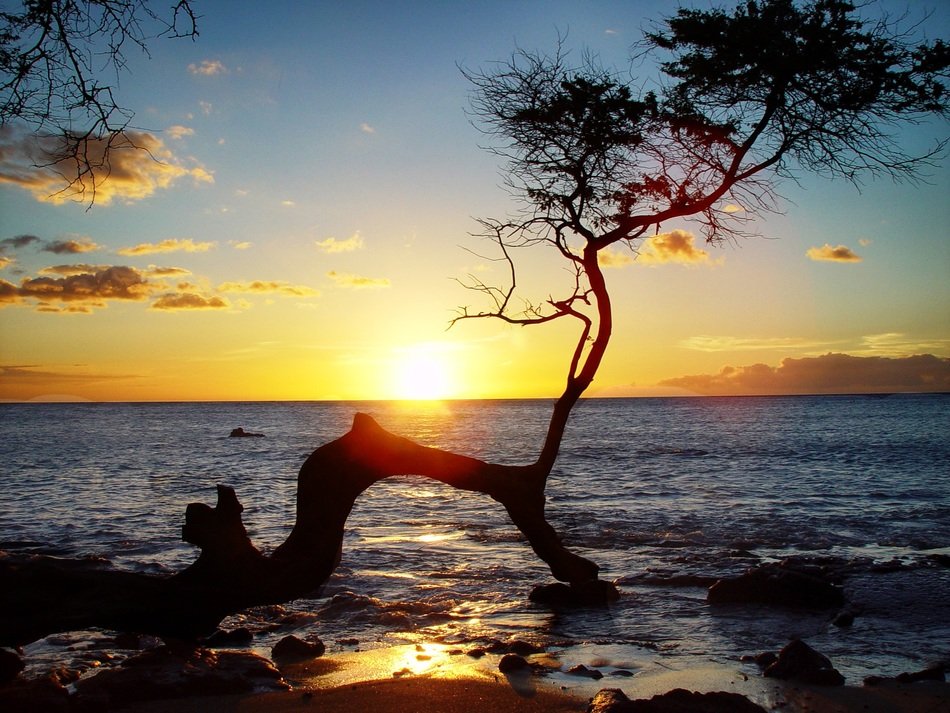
(476, 653)
(613, 700)
(800, 662)
(30, 696)
(592, 593)
(777, 584)
(517, 646)
(10, 665)
(178, 672)
(241, 636)
(843, 620)
(290, 648)
(241, 433)
(582, 670)
(511, 663)
(934, 673)
(128, 640)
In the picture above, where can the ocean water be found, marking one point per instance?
(665, 494)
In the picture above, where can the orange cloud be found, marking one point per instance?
(279, 287)
(826, 374)
(138, 164)
(357, 281)
(79, 269)
(70, 247)
(677, 246)
(612, 258)
(5, 262)
(167, 246)
(826, 253)
(332, 245)
(116, 283)
(188, 301)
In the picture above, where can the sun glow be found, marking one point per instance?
(423, 373)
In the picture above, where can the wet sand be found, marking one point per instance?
(368, 681)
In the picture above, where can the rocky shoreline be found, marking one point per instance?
(226, 664)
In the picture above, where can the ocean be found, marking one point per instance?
(665, 495)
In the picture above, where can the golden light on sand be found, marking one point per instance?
(423, 373)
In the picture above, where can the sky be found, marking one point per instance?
(306, 227)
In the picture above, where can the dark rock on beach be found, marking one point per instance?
(241, 636)
(291, 648)
(45, 694)
(582, 670)
(613, 700)
(594, 593)
(178, 672)
(10, 665)
(515, 646)
(778, 584)
(512, 663)
(800, 662)
(932, 673)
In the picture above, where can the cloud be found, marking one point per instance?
(208, 68)
(138, 164)
(677, 246)
(179, 132)
(332, 245)
(261, 286)
(5, 262)
(79, 269)
(367, 129)
(157, 271)
(70, 247)
(357, 282)
(20, 241)
(615, 258)
(9, 293)
(827, 374)
(188, 301)
(243, 245)
(711, 343)
(826, 253)
(170, 245)
(93, 287)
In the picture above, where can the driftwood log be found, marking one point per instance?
(43, 595)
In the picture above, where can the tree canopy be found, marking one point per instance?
(748, 97)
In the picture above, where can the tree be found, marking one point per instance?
(753, 96)
(61, 61)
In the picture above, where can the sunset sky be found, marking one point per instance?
(304, 231)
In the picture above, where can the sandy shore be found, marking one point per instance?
(377, 681)
(474, 696)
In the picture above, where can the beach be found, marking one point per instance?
(462, 686)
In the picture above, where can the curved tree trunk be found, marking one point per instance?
(39, 596)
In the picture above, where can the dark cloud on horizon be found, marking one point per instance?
(826, 374)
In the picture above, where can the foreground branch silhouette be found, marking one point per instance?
(39, 596)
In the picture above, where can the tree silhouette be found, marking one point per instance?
(60, 62)
(751, 97)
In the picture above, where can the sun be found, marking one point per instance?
(422, 373)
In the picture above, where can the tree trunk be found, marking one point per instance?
(41, 595)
